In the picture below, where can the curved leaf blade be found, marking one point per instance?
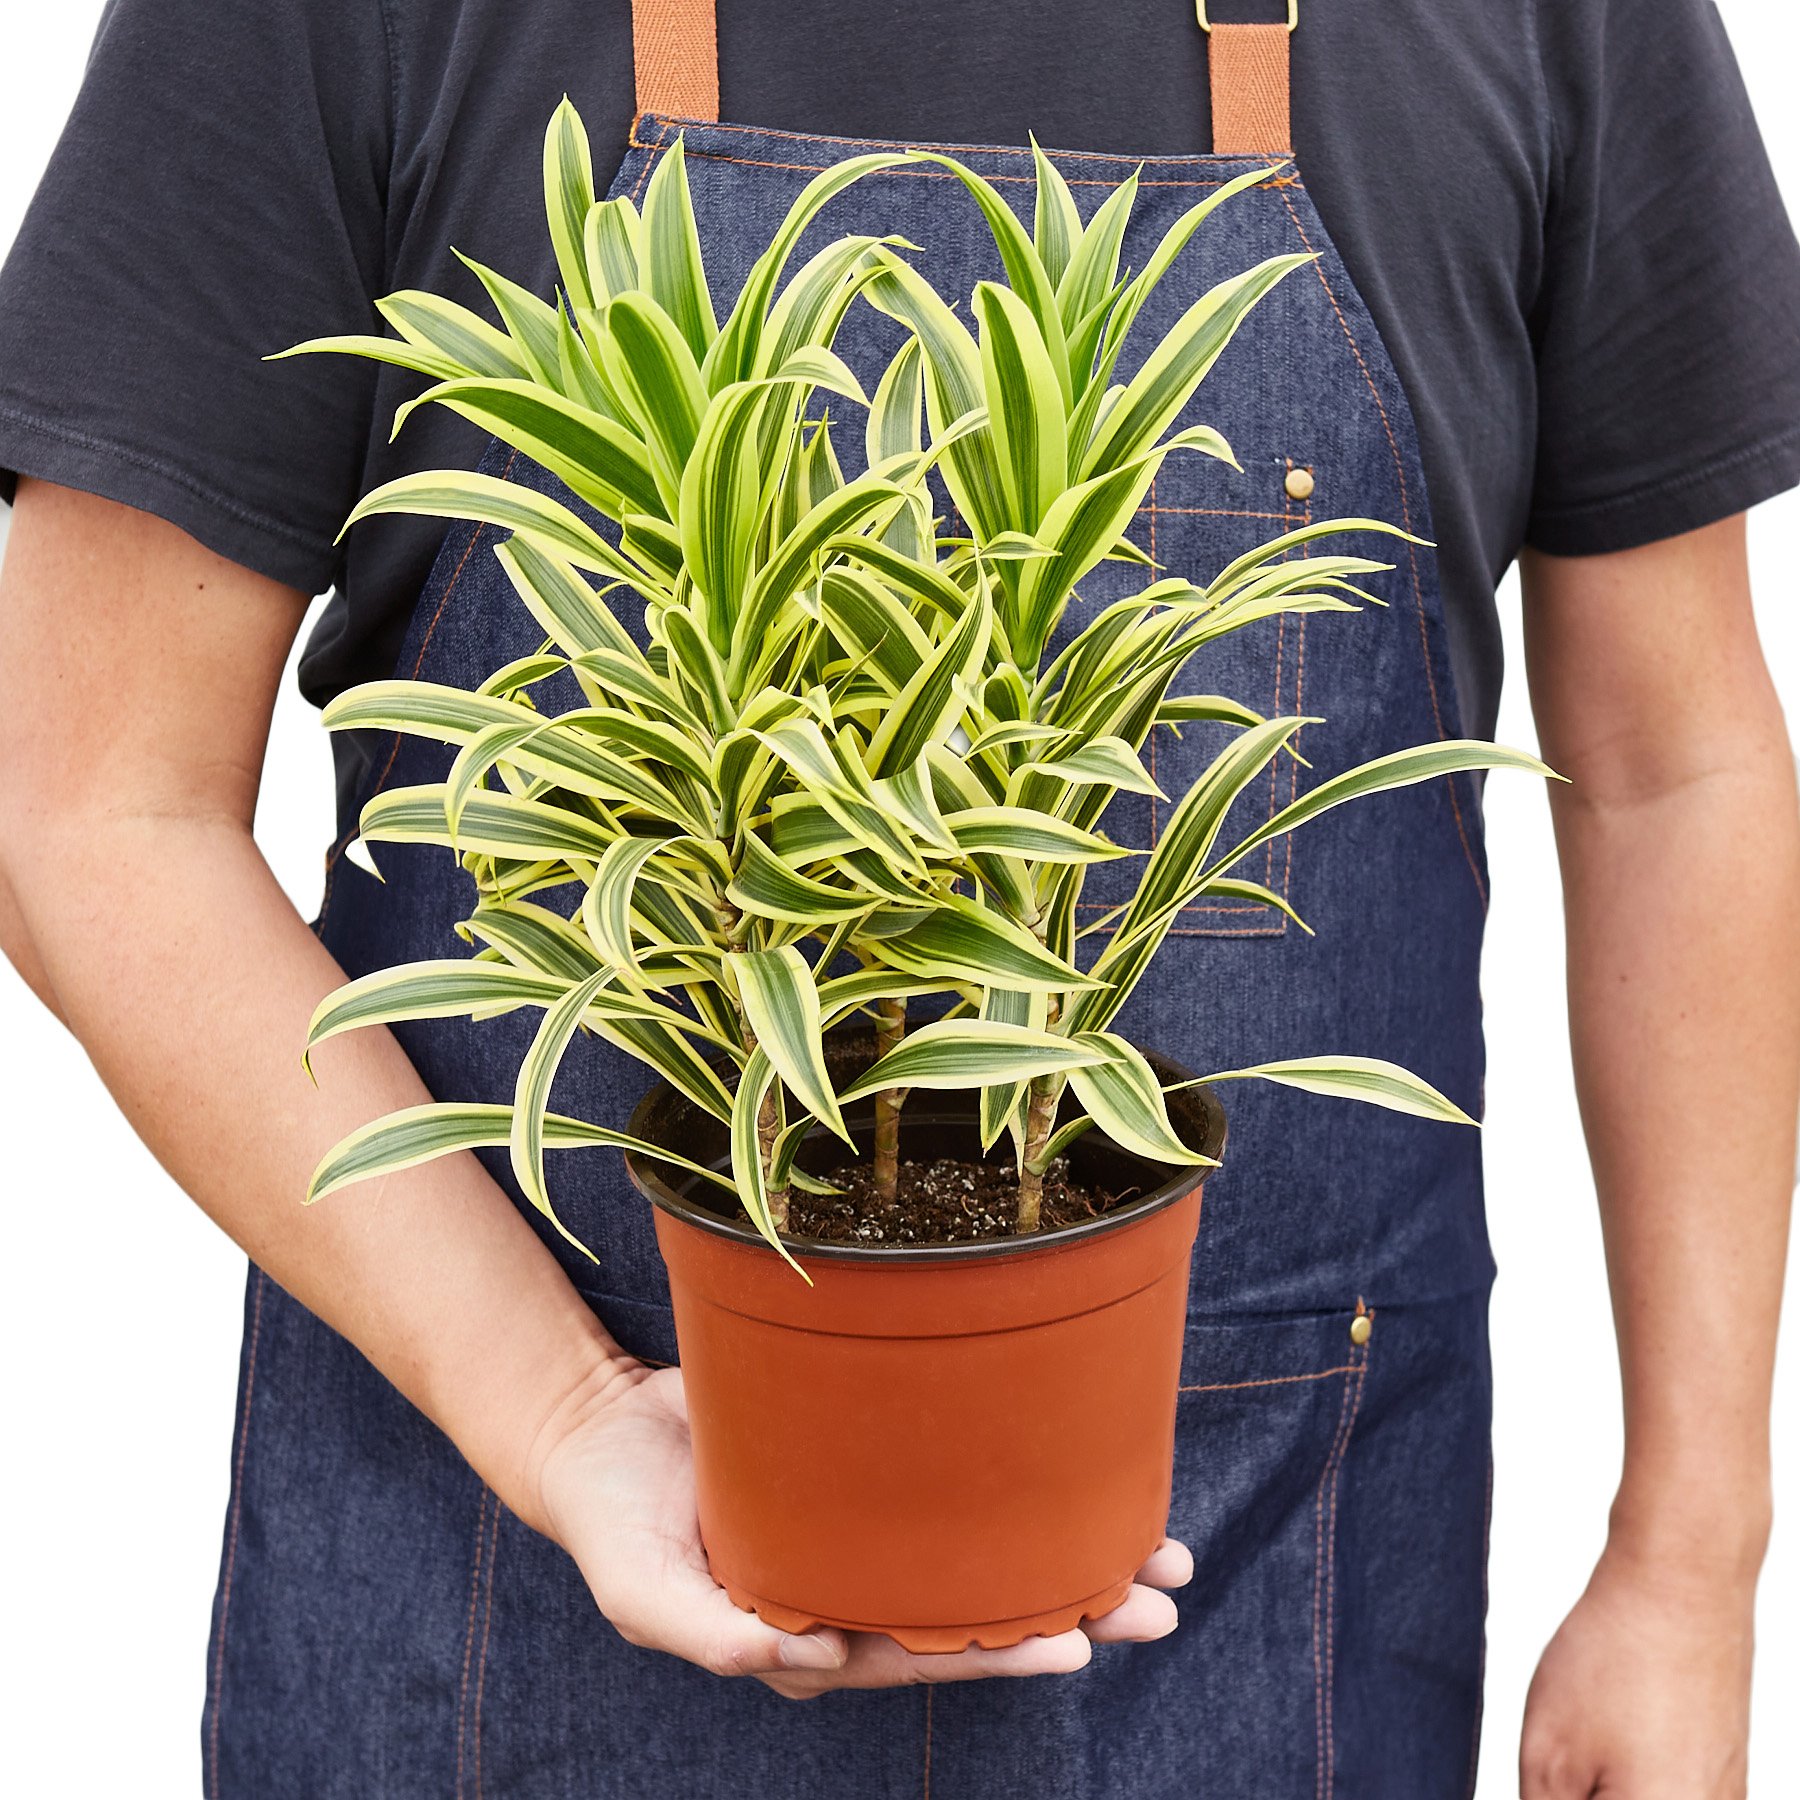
(568, 197)
(531, 1094)
(1025, 405)
(597, 458)
(672, 267)
(1019, 831)
(1403, 768)
(1124, 1098)
(781, 1002)
(421, 1134)
(1364, 1078)
(966, 1053)
(746, 1152)
(969, 943)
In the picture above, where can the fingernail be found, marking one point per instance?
(811, 1651)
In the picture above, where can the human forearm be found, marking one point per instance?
(1683, 906)
(195, 1020)
(1680, 851)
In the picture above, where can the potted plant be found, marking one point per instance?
(833, 773)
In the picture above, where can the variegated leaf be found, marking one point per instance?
(568, 196)
(671, 266)
(1124, 1098)
(780, 998)
(968, 1053)
(1365, 1078)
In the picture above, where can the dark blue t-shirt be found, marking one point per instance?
(1558, 211)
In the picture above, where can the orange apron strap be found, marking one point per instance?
(1250, 67)
(675, 47)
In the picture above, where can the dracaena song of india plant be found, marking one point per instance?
(839, 770)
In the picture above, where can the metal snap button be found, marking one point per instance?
(1300, 484)
(1361, 1327)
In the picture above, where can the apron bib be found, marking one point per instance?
(383, 1627)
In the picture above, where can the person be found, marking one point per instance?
(1555, 291)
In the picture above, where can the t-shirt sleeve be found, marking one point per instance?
(217, 195)
(1668, 326)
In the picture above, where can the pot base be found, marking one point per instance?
(942, 1640)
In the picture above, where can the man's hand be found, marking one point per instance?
(617, 1491)
(1645, 1691)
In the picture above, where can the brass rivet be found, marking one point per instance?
(1300, 486)
(1360, 1328)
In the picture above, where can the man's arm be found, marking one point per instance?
(1679, 839)
(137, 676)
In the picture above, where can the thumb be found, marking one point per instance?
(707, 1629)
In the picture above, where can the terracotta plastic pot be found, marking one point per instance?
(950, 1444)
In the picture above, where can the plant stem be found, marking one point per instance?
(1040, 1121)
(1040, 1115)
(768, 1128)
(890, 1028)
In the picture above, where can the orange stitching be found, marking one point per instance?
(826, 137)
(1255, 931)
(1275, 761)
(1330, 1770)
(1215, 512)
(1212, 911)
(237, 1507)
(1318, 1584)
(487, 1624)
(1232, 1387)
(928, 1743)
(662, 138)
(1412, 552)
(909, 173)
(1287, 874)
(462, 1691)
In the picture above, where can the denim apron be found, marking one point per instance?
(384, 1627)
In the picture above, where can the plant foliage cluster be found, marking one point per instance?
(839, 769)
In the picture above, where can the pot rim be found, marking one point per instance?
(1180, 1182)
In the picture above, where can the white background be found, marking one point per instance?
(119, 1326)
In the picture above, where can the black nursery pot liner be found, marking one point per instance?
(941, 1124)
